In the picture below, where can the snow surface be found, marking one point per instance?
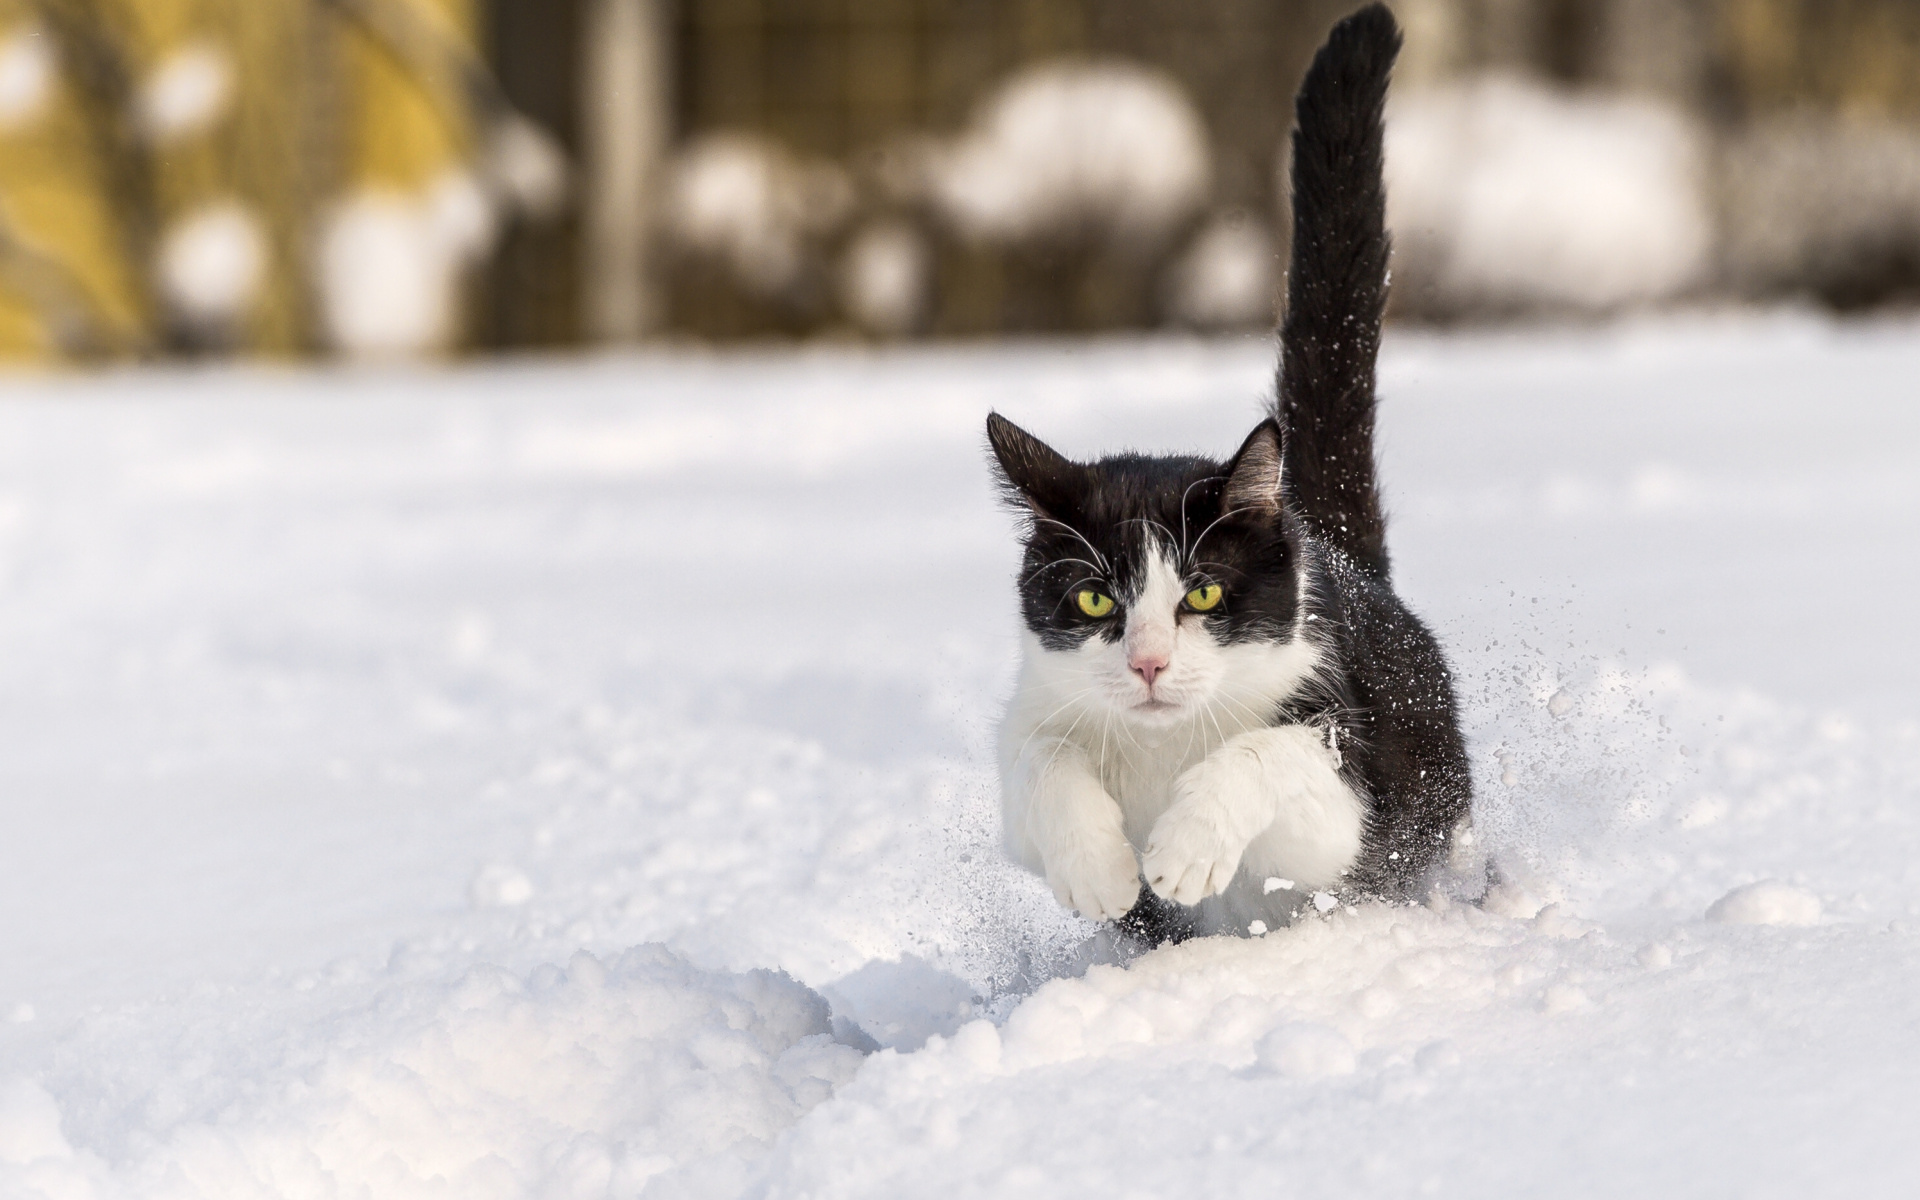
(568, 780)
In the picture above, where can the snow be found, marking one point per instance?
(186, 92)
(1766, 903)
(212, 261)
(1069, 147)
(746, 201)
(1508, 194)
(390, 265)
(1228, 278)
(26, 74)
(573, 779)
(637, 1072)
(885, 276)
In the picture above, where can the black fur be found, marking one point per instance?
(1385, 693)
(1154, 922)
(1396, 684)
(1337, 287)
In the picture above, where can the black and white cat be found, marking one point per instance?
(1219, 686)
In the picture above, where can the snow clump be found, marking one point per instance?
(1303, 1050)
(36, 1160)
(1766, 903)
(886, 277)
(526, 167)
(499, 886)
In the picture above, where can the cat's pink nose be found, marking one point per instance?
(1148, 665)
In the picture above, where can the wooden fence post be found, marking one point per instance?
(625, 118)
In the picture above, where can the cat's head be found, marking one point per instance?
(1156, 587)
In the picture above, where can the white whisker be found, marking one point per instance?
(1209, 529)
(1058, 562)
(1105, 566)
(1183, 511)
(1048, 720)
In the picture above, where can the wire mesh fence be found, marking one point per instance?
(395, 177)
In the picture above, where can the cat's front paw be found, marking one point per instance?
(1195, 847)
(1100, 880)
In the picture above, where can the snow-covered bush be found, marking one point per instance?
(186, 93)
(27, 67)
(212, 263)
(390, 264)
(1825, 205)
(752, 206)
(1068, 148)
(1506, 195)
(1227, 277)
(886, 276)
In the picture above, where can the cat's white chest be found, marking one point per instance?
(1138, 769)
(1088, 773)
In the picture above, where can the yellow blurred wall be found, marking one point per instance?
(311, 101)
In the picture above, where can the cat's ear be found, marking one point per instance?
(1035, 475)
(1253, 477)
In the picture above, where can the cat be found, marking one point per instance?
(1220, 693)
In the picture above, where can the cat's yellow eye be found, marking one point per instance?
(1204, 597)
(1094, 604)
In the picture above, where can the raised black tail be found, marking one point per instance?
(1337, 287)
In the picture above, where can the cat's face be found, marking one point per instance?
(1157, 588)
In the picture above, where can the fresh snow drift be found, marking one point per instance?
(573, 781)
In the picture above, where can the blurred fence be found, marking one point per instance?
(978, 157)
(383, 177)
(265, 175)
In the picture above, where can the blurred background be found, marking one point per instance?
(392, 178)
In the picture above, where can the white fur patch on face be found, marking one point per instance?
(1153, 630)
(1198, 677)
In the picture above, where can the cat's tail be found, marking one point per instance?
(1337, 287)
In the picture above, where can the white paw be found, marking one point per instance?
(1195, 846)
(1100, 881)
(1189, 857)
